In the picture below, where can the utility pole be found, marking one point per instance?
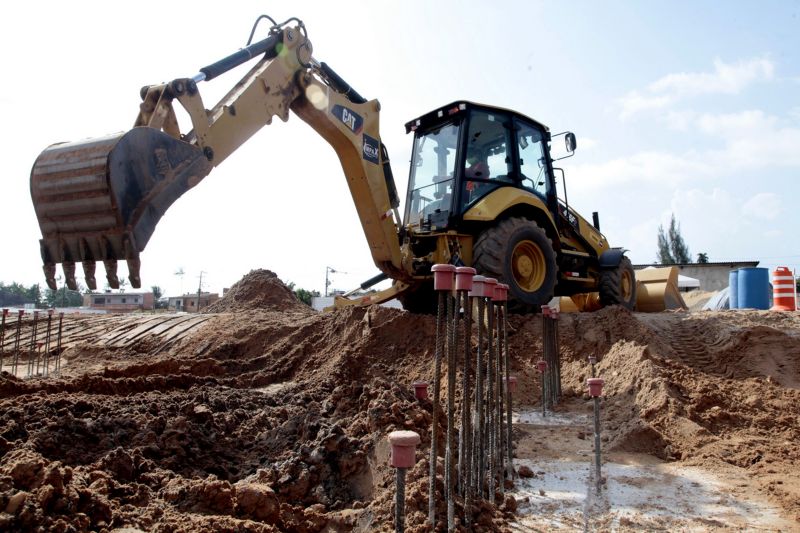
(327, 281)
(199, 289)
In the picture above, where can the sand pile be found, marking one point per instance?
(706, 388)
(276, 421)
(259, 289)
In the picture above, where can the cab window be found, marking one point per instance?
(532, 161)
(488, 163)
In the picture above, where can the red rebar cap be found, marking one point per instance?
(50, 312)
(500, 292)
(546, 310)
(404, 445)
(464, 277)
(512, 384)
(443, 277)
(39, 344)
(595, 386)
(420, 390)
(21, 312)
(478, 287)
(5, 312)
(541, 365)
(489, 284)
(36, 314)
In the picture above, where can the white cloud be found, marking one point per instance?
(724, 79)
(680, 120)
(742, 124)
(752, 141)
(763, 206)
(644, 167)
(634, 102)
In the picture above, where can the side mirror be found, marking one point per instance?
(571, 141)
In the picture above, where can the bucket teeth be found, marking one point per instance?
(88, 274)
(50, 275)
(69, 275)
(111, 273)
(134, 264)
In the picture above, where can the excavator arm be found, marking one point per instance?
(100, 199)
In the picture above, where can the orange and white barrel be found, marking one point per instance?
(783, 289)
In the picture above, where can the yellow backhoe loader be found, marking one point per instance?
(481, 188)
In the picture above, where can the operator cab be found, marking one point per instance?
(463, 152)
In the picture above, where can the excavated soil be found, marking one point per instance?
(259, 289)
(271, 417)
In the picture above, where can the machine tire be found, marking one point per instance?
(519, 253)
(618, 285)
(420, 300)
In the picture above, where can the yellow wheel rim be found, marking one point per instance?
(528, 266)
(626, 286)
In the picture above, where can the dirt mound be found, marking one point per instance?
(276, 420)
(259, 289)
(706, 388)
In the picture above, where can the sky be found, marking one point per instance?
(684, 108)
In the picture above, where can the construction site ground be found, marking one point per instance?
(264, 415)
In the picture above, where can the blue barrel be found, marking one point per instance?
(733, 289)
(753, 286)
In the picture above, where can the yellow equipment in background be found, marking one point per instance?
(656, 290)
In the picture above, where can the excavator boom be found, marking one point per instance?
(100, 199)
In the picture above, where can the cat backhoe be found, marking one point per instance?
(481, 188)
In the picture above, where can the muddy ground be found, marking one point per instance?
(271, 417)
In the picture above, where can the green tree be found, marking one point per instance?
(305, 296)
(63, 297)
(671, 247)
(16, 294)
(157, 292)
(702, 258)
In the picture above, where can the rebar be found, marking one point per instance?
(466, 416)
(32, 351)
(500, 408)
(480, 425)
(437, 371)
(47, 343)
(58, 344)
(3, 337)
(15, 363)
(449, 463)
(597, 441)
(400, 501)
(39, 346)
(510, 469)
(490, 404)
(557, 357)
(544, 408)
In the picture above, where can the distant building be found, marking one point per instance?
(188, 302)
(712, 276)
(319, 303)
(120, 302)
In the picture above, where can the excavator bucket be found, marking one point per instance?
(657, 290)
(100, 199)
